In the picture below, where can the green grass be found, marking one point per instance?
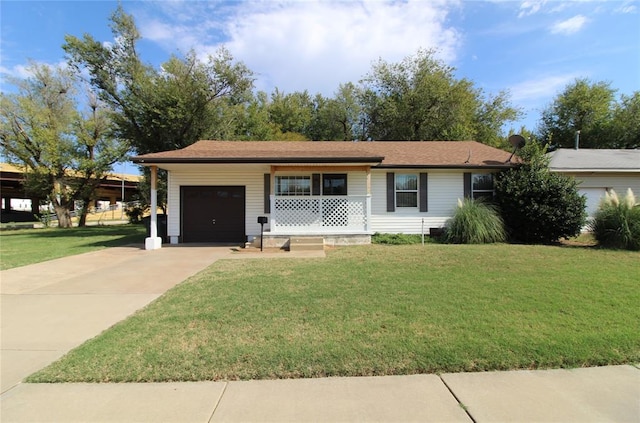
(377, 310)
(28, 246)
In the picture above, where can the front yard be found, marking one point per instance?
(377, 310)
(28, 246)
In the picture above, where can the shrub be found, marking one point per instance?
(474, 222)
(537, 205)
(398, 239)
(616, 224)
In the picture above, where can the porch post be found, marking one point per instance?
(153, 242)
(368, 211)
(272, 202)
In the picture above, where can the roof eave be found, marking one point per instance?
(447, 166)
(252, 160)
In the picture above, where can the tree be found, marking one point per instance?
(161, 109)
(420, 99)
(97, 149)
(537, 205)
(155, 109)
(625, 125)
(65, 153)
(583, 106)
(291, 113)
(336, 118)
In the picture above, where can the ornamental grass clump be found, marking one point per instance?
(616, 223)
(474, 222)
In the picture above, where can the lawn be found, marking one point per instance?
(377, 310)
(28, 246)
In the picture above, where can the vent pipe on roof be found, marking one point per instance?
(577, 140)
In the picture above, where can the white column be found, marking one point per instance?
(153, 242)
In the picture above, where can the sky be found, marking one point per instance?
(533, 48)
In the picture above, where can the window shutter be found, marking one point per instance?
(467, 185)
(391, 192)
(267, 193)
(315, 184)
(424, 202)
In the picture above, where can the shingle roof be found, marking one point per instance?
(595, 160)
(378, 153)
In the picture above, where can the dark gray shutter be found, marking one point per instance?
(467, 185)
(315, 184)
(424, 202)
(267, 193)
(391, 192)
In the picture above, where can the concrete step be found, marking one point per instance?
(306, 244)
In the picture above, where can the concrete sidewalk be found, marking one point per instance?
(51, 307)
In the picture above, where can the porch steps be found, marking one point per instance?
(306, 243)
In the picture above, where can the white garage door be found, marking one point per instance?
(594, 195)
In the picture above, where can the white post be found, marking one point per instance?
(153, 242)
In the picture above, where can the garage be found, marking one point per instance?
(213, 214)
(594, 196)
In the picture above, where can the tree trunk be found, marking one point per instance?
(64, 217)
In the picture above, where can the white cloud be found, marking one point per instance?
(312, 45)
(569, 26)
(530, 7)
(627, 7)
(534, 91)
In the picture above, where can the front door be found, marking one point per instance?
(213, 214)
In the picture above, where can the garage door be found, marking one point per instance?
(213, 214)
(594, 195)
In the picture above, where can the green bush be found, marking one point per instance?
(616, 224)
(398, 239)
(537, 205)
(474, 222)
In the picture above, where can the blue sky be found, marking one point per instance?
(531, 48)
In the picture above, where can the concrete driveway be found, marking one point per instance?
(49, 308)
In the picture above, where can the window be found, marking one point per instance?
(406, 190)
(334, 184)
(293, 185)
(482, 186)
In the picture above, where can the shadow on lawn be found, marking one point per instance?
(118, 235)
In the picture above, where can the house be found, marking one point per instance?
(341, 191)
(598, 171)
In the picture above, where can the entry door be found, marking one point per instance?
(213, 214)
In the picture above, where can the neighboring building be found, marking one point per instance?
(599, 170)
(342, 191)
(15, 199)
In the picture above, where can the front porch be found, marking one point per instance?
(320, 215)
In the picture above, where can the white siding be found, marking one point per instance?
(444, 190)
(595, 185)
(251, 177)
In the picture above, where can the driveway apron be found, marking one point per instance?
(49, 308)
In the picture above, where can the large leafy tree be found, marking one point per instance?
(419, 98)
(159, 109)
(583, 106)
(185, 100)
(337, 118)
(625, 124)
(65, 153)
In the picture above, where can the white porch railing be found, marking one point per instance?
(338, 214)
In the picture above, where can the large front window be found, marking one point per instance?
(293, 185)
(406, 190)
